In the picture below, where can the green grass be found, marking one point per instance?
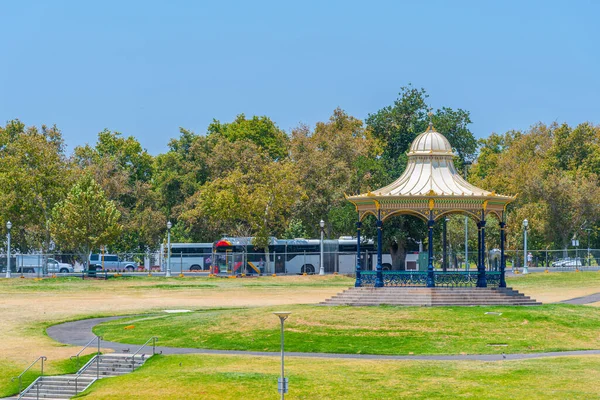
(236, 377)
(373, 330)
(10, 370)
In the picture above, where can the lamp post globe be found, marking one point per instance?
(169, 226)
(322, 268)
(8, 227)
(525, 256)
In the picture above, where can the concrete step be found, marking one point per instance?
(438, 296)
(63, 386)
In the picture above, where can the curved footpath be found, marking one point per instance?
(592, 298)
(79, 333)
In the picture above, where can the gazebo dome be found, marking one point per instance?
(430, 142)
(430, 182)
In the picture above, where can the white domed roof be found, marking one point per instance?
(430, 142)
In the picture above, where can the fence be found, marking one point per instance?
(283, 262)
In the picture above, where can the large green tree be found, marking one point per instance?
(554, 170)
(335, 158)
(260, 130)
(124, 170)
(34, 175)
(85, 219)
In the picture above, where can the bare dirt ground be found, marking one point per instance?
(546, 295)
(24, 313)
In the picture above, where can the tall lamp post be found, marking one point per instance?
(8, 226)
(322, 268)
(169, 225)
(282, 382)
(587, 257)
(525, 266)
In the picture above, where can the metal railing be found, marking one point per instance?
(153, 339)
(96, 358)
(76, 356)
(20, 377)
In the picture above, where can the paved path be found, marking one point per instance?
(80, 332)
(592, 298)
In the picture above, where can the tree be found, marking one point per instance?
(180, 172)
(332, 160)
(124, 170)
(555, 172)
(259, 130)
(257, 203)
(34, 176)
(85, 219)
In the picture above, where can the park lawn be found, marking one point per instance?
(372, 330)
(10, 370)
(240, 377)
(28, 306)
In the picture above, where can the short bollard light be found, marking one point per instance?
(282, 382)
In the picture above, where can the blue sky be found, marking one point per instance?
(145, 68)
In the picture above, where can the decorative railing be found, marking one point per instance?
(419, 278)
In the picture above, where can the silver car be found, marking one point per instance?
(112, 262)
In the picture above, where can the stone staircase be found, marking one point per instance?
(67, 386)
(437, 296)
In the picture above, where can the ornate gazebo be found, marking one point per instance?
(430, 188)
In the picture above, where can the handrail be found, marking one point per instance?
(154, 339)
(34, 383)
(98, 338)
(20, 377)
(82, 370)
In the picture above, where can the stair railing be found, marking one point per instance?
(97, 338)
(154, 339)
(83, 369)
(20, 377)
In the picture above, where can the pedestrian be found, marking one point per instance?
(529, 259)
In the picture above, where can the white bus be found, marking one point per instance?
(296, 256)
(188, 257)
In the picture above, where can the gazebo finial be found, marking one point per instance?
(430, 115)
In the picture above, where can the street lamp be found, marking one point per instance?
(322, 269)
(587, 257)
(525, 266)
(169, 225)
(282, 382)
(8, 226)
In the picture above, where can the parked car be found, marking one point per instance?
(112, 262)
(55, 266)
(567, 262)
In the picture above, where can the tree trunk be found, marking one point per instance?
(398, 255)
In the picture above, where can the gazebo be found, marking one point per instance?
(431, 188)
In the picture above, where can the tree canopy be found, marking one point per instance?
(248, 177)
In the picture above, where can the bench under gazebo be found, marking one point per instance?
(431, 188)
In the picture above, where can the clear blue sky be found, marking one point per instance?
(145, 68)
